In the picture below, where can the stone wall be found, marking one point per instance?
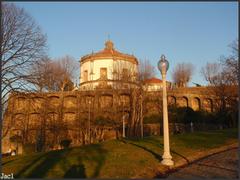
(27, 112)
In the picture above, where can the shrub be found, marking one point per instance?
(223, 117)
(16, 139)
(181, 114)
(187, 115)
(29, 148)
(102, 121)
(154, 118)
(65, 143)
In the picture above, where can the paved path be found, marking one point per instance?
(221, 165)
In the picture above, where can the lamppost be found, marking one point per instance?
(167, 158)
(123, 120)
(89, 121)
(141, 118)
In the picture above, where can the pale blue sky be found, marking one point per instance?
(197, 32)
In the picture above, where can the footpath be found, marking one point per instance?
(193, 158)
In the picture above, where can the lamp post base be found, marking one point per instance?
(167, 162)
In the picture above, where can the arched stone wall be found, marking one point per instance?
(73, 107)
(69, 118)
(53, 102)
(182, 101)
(35, 120)
(196, 104)
(172, 100)
(20, 103)
(84, 102)
(52, 119)
(105, 102)
(125, 99)
(36, 104)
(208, 104)
(70, 102)
(19, 120)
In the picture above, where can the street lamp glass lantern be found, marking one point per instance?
(163, 64)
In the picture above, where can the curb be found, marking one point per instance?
(195, 158)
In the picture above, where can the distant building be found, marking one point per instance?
(155, 84)
(108, 68)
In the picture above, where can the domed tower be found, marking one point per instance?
(108, 68)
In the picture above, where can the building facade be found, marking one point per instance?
(108, 68)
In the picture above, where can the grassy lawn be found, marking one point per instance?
(115, 158)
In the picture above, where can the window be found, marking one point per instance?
(85, 75)
(103, 73)
(125, 74)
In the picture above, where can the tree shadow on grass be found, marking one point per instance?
(157, 156)
(157, 144)
(71, 162)
(93, 153)
(98, 154)
(172, 151)
(4, 163)
(25, 168)
(48, 160)
(76, 171)
(186, 159)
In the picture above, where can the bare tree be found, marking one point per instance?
(231, 64)
(138, 99)
(225, 72)
(145, 70)
(223, 80)
(22, 44)
(137, 77)
(221, 87)
(123, 73)
(69, 67)
(40, 72)
(211, 72)
(124, 76)
(54, 75)
(182, 74)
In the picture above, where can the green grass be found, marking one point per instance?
(115, 158)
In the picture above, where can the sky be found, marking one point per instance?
(194, 32)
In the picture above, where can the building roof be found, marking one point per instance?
(153, 81)
(109, 52)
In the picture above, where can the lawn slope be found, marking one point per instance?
(115, 158)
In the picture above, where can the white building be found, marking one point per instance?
(155, 84)
(108, 68)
